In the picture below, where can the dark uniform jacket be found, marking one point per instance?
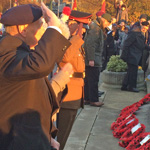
(94, 44)
(133, 48)
(25, 92)
(109, 46)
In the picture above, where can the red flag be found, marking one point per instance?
(103, 6)
(74, 7)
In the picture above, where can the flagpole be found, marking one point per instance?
(10, 3)
(72, 3)
(58, 8)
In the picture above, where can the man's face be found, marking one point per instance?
(83, 30)
(122, 24)
(144, 28)
(89, 21)
(105, 22)
(113, 20)
(34, 33)
(142, 20)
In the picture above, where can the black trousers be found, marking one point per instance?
(91, 83)
(66, 118)
(130, 79)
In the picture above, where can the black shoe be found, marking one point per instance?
(100, 93)
(133, 90)
(124, 88)
(86, 102)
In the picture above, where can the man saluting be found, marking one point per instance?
(27, 100)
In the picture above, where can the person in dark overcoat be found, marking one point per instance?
(145, 32)
(109, 46)
(132, 54)
(27, 99)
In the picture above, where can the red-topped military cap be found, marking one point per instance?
(80, 16)
(21, 15)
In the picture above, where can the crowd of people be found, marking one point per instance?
(50, 67)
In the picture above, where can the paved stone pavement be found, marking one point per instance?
(91, 130)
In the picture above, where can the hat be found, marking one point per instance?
(107, 17)
(66, 11)
(123, 5)
(145, 23)
(99, 13)
(21, 15)
(80, 16)
(143, 16)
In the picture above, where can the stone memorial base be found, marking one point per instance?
(114, 79)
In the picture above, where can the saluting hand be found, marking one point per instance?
(50, 18)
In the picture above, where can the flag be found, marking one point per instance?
(74, 7)
(103, 6)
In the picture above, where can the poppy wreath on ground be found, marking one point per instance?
(130, 109)
(123, 128)
(122, 123)
(135, 143)
(142, 101)
(121, 120)
(146, 99)
(128, 136)
(145, 146)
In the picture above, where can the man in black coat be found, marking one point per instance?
(132, 54)
(27, 100)
(109, 46)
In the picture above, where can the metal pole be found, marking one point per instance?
(58, 8)
(72, 3)
(10, 3)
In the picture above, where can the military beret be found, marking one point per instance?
(100, 13)
(21, 15)
(107, 17)
(80, 16)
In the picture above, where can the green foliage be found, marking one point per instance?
(116, 64)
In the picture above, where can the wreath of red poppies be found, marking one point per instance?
(135, 143)
(127, 122)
